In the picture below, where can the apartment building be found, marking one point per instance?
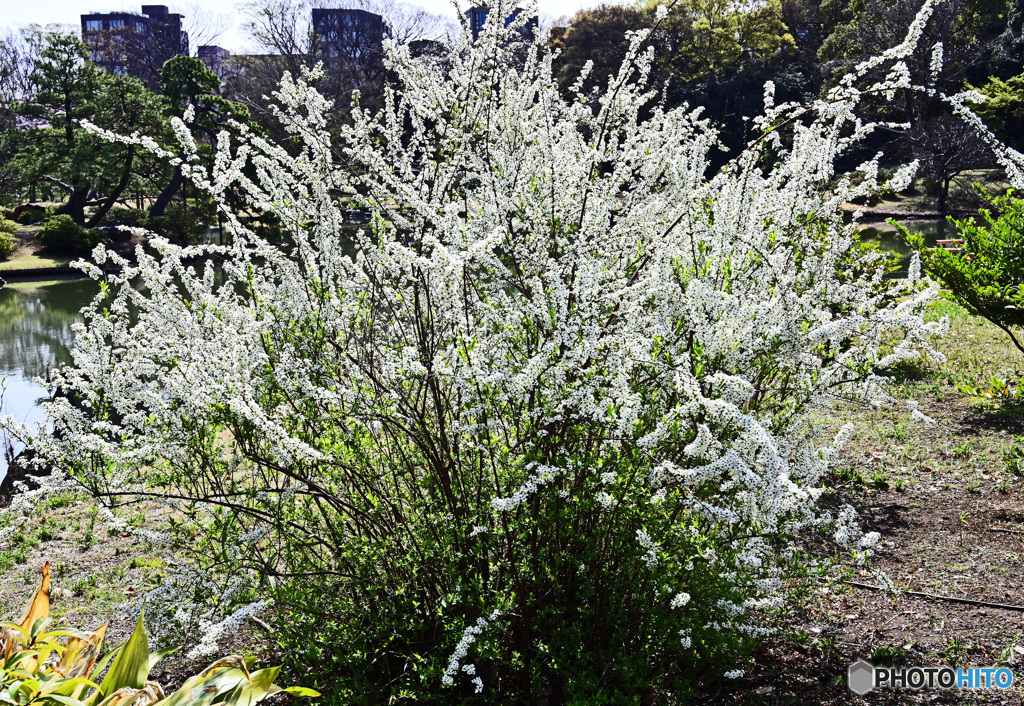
(135, 44)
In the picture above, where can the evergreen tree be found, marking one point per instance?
(188, 84)
(55, 148)
(1003, 111)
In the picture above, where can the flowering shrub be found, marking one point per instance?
(547, 431)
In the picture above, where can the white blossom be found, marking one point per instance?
(936, 63)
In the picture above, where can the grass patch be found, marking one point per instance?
(34, 260)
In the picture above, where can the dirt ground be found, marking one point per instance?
(98, 576)
(27, 243)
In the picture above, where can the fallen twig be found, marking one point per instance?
(259, 622)
(936, 597)
(1008, 531)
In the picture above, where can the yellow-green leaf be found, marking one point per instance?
(131, 666)
(301, 691)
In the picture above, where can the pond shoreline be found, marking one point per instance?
(880, 214)
(49, 273)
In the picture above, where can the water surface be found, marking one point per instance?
(36, 335)
(888, 238)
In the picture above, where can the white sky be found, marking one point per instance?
(17, 13)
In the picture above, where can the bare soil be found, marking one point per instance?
(98, 576)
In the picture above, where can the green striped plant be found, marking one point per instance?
(42, 665)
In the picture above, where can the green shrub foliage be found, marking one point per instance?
(61, 235)
(7, 244)
(30, 216)
(132, 217)
(180, 222)
(984, 274)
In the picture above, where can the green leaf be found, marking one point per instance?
(38, 626)
(255, 689)
(66, 700)
(301, 691)
(155, 657)
(105, 659)
(184, 694)
(73, 687)
(131, 666)
(16, 658)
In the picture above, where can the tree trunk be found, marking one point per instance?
(75, 205)
(943, 194)
(126, 175)
(165, 197)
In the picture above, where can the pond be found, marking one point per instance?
(35, 335)
(888, 239)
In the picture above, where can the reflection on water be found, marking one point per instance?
(889, 239)
(35, 332)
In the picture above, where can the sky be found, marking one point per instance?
(17, 13)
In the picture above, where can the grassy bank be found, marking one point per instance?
(99, 575)
(29, 253)
(950, 509)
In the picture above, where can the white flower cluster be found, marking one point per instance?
(936, 63)
(650, 547)
(469, 636)
(680, 600)
(847, 531)
(541, 477)
(212, 631)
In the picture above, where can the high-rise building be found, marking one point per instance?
(350, 39)
(136, 44)
(216, 59)
(477, 17)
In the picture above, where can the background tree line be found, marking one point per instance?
(50, 88)
(716, 54)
